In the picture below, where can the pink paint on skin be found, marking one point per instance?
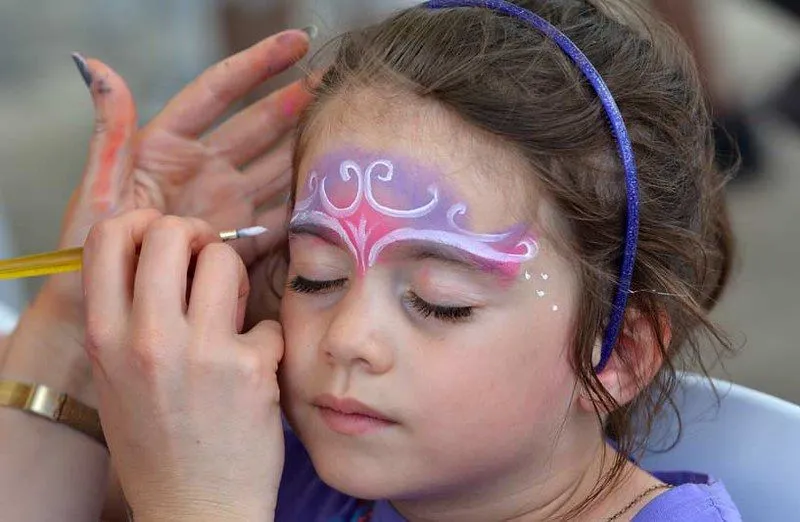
(113, 144)
(375, 201)
(293, 99)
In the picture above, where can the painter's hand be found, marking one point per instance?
(178, 164)
(189, 405)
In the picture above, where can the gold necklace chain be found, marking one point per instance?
(636, 500)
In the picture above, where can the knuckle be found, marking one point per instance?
(148, 214)
(251, 365)
(143, 351)
(214, 80)
(273, 330)
(259, 373)
(221, 255)
(111, 228)
(102, 231)
(171, 225)
(267, 337)
(99, 337)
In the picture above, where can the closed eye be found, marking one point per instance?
(302, 285)
(451, 314)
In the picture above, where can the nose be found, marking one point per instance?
(359, 332)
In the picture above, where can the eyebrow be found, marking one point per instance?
(323, 233)
(417, 250)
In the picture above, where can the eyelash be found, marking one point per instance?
(450, 314)
(302, 285)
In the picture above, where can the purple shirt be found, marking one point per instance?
(304, 497)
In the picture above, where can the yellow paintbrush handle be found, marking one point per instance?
(70, 260)
(67, 260)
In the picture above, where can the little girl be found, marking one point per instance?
(506, 233)
(464, 217)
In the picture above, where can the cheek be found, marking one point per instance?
(510, 385)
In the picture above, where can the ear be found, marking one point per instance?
(635, 361)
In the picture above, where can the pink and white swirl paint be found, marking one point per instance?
(373, 201)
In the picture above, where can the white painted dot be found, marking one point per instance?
(555, 308)
(540, 293)
(545, 276)
(527, 275)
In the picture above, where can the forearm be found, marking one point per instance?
(208, 512)
(48, 471)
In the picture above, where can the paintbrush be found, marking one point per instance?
(70, 259)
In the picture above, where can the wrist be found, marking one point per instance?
(204, 511)
(47, 347)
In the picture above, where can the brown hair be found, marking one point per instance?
(501, 75)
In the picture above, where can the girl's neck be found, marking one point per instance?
(531, 495)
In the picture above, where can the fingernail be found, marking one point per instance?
(311, 31)
(83, 68)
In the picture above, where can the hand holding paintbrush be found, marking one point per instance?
(178, 165)
(183, 162)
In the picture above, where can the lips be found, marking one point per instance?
(349, 416)
(349, 406)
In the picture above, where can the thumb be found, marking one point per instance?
(105, 187)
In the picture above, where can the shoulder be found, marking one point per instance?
(303, 495)
(694, 497)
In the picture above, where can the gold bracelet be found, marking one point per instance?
(40, 400)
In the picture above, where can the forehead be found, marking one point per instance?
(427, 145)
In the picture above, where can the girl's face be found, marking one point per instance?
(419, 289)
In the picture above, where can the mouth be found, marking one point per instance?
(349, 416)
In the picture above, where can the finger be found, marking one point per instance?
(109, 165)
(204, 100)
(109, 265)
(275, 221)
(269, 176)
(267, 338)
(255, 129)
(219, 290)
(159, 295)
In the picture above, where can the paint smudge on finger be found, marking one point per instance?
(293, 99)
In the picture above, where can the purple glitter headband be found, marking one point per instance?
(623, 145)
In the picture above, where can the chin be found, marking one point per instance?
(357, 477)
(362, 469)
(359, 474)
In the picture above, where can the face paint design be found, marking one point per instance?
(539, 292)
(372, 202)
